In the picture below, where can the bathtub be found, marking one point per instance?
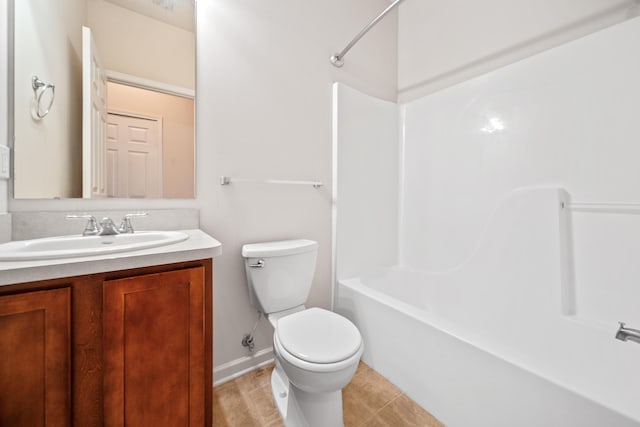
(497, 341)
(461, 381)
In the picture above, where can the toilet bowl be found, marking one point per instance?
(316, 351)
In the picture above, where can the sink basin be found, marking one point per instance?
(78, 246)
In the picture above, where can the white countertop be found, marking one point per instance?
(199, 245)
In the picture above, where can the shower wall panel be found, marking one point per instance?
(365, 156)
(564, 118)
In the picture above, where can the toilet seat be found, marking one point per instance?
(318, 340)
(315, 367)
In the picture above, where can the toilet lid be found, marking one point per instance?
(318, 336)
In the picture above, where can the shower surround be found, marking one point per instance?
(485, 237)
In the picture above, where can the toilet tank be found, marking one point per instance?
(279, 274)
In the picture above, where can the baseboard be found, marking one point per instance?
(238, 367)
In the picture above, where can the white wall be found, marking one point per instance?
(4, 99)
(443, 43)
(264, 112)
(5, 218)
(135, 44)
(47, 160)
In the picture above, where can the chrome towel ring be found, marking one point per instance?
(39, 89)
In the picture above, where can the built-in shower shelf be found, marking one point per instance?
(622, 208)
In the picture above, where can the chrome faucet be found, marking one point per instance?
(106, 227)
(627, 334)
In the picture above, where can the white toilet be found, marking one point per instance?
(316, 351)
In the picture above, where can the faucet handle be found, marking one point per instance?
(125, 226)
(92, 228)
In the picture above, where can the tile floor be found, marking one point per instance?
(368, 401)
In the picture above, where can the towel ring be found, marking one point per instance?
(39, 89)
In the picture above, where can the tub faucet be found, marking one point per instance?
(627, 334)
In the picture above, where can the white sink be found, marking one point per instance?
(79, 246)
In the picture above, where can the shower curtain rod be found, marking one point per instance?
(338, 58)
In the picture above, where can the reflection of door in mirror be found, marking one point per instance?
(142, 44)
(94, 119)
(134, 156)
(176, 136)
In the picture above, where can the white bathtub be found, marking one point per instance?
(493, 342)
(461, 381)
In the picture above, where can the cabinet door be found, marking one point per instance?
(154, 350)
(34, 359)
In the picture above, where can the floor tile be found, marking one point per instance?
(403, 411)
(230, 409)
(369, 400)
(262, 402)
(255, 379)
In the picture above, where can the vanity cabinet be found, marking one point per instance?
(130, 347)
(35, 358)
(154, 349)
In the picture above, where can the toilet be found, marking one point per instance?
(316, 351)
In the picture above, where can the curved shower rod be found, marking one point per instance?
(337, 59)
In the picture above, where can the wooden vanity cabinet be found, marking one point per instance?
(138, 349)
(154, 348)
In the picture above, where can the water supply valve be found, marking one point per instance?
(247, 341)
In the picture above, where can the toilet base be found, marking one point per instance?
(299, 408)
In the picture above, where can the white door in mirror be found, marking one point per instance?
(5, 161)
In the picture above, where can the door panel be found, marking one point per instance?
(134, 145)
(34, 359)
(94, 120)
(154, 350)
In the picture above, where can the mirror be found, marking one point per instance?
(104, 98)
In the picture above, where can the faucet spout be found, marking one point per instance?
(627, 334)
(107, 227)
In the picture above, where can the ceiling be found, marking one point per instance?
(179, 13)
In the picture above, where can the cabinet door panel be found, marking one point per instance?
(154, 349)
(34, 359)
